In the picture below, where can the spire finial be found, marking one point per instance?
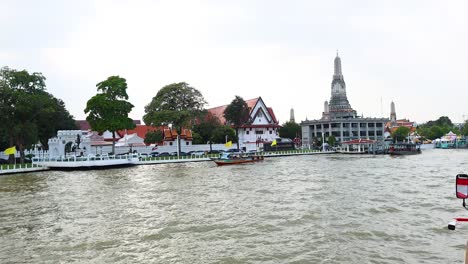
(337, 65)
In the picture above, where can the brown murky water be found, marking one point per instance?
(308, 209)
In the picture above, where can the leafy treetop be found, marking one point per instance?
(108, 110)
(176, 104)
(237, 113)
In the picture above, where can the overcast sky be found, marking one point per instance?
(411, 52)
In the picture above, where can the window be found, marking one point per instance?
(271, 132)
(187, 143)
(362, 133)
(259, 132)
(379, 133)
(379, 124)
(247, 132)
(260, 114)
(170, 143)
(370, 124)
(362, 124)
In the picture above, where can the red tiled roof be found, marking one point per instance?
(101, 143)
(260, 126)
(170, 135)
(141, 130)
(272, 114)
(219, 111)
(84, 125)
(399, 123)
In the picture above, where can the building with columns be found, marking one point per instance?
(340, 119)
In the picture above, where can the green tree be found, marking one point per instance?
(442, 121)
(290, 130)
(109, 109)
(237, 113)
(223, 134)
(29, 113)
(62, 120)
(197, 139)
(401, 133)
(205, 127)
(437, 132)
(175, 104)
(331, 140)
(464, 131)
(153, 137)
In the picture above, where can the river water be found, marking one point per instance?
(308, 209)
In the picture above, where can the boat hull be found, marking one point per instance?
(352, 152)
(403, 148)
(88, 164)
(399, 153)
(223, 162)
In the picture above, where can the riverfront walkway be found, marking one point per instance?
(21, 168)
(268, 154)
(143, 160)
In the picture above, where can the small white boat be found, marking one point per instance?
(89, 162)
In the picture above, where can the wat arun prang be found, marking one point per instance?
(340, 119)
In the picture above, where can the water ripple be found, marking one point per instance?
(307, 209)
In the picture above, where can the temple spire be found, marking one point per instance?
(339, 106)
(338, 74)
(392, 112)
(291, 117)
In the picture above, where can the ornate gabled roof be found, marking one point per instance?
(219, 111)
(170, 135)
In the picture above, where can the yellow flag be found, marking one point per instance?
(273, 143)
(10, 151)
(228, 144)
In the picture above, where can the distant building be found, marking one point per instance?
(262, 126)
(84, 126)
(291, 117)
(394, 124)
(340, 119)
(169, 136)
(137, 135)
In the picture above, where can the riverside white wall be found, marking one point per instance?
(147, 149)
